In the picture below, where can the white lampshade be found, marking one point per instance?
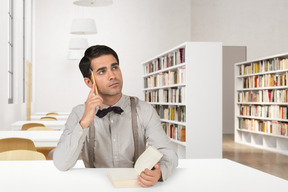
(75, 54)
(78, 43)
(83, 26)
(93, 3)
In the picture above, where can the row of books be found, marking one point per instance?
(171, 59)
(173, 113)
(268, 80)
(264, 66)
(166, 78)
(271, 127)
(276, 96)
(171, 95)
(175, 131)
(274, 111)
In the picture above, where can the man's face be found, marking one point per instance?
(108, 75)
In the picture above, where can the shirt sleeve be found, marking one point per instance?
(71, 142)
(156, 137)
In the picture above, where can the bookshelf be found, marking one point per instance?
(261, 103)
(184, 84)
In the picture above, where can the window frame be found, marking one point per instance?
(11, 54)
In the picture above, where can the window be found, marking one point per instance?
(24, 44)
(11, 62)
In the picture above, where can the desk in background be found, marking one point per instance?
(44, 113)
(52, 124)
(192, 175)
(59, 118)
(40, 138)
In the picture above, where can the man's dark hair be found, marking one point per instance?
(91, 53)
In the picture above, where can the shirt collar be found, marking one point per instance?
(120, 103)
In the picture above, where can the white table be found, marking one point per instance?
(16, 126)
(197, 175)
(40, 138)
(44, 113)
(60, 117)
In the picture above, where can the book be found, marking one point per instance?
(127, 177)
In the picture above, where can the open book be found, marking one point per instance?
(127, 177)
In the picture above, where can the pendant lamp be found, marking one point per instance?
(83, 26)
(78, 43)
(93, 3)
(75, 54)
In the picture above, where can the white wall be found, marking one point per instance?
(136, 29)
(261, 25)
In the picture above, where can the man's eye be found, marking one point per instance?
(101, 72)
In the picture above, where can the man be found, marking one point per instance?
(115, 143)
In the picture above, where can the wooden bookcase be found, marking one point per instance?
(187, 81)
(261, 103)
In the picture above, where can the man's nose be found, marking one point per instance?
(111, 75)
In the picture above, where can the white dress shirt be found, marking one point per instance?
(114, 143)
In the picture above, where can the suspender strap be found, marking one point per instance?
(135, 135)
(91, 144)
(134, 128)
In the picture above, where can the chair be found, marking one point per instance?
(14, 143)
(48, 119)
(15, 155)
(52, 114)
(41, 129)
(44, 150)
(28, 125)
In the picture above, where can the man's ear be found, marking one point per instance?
(88, 82)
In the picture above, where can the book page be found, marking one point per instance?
(122, 174)
(147, 159)
(123, 177)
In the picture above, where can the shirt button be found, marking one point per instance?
(111, 121)
(114, 140)
(115, 157)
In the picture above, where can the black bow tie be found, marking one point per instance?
(102, 113)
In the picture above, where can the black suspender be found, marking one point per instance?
(91, 144)
(134, 128)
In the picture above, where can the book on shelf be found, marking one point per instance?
(279, 96)
(173, 113)
(267, 80)
(181, 75)
(181, 53)
(169, 95)
(267, 96)
(171, 78)
(166, 78)
(269, 127)
(174, 58)
(175, 131)
(127, 177)
(170, 59)
(274, 64)
(267, 111)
